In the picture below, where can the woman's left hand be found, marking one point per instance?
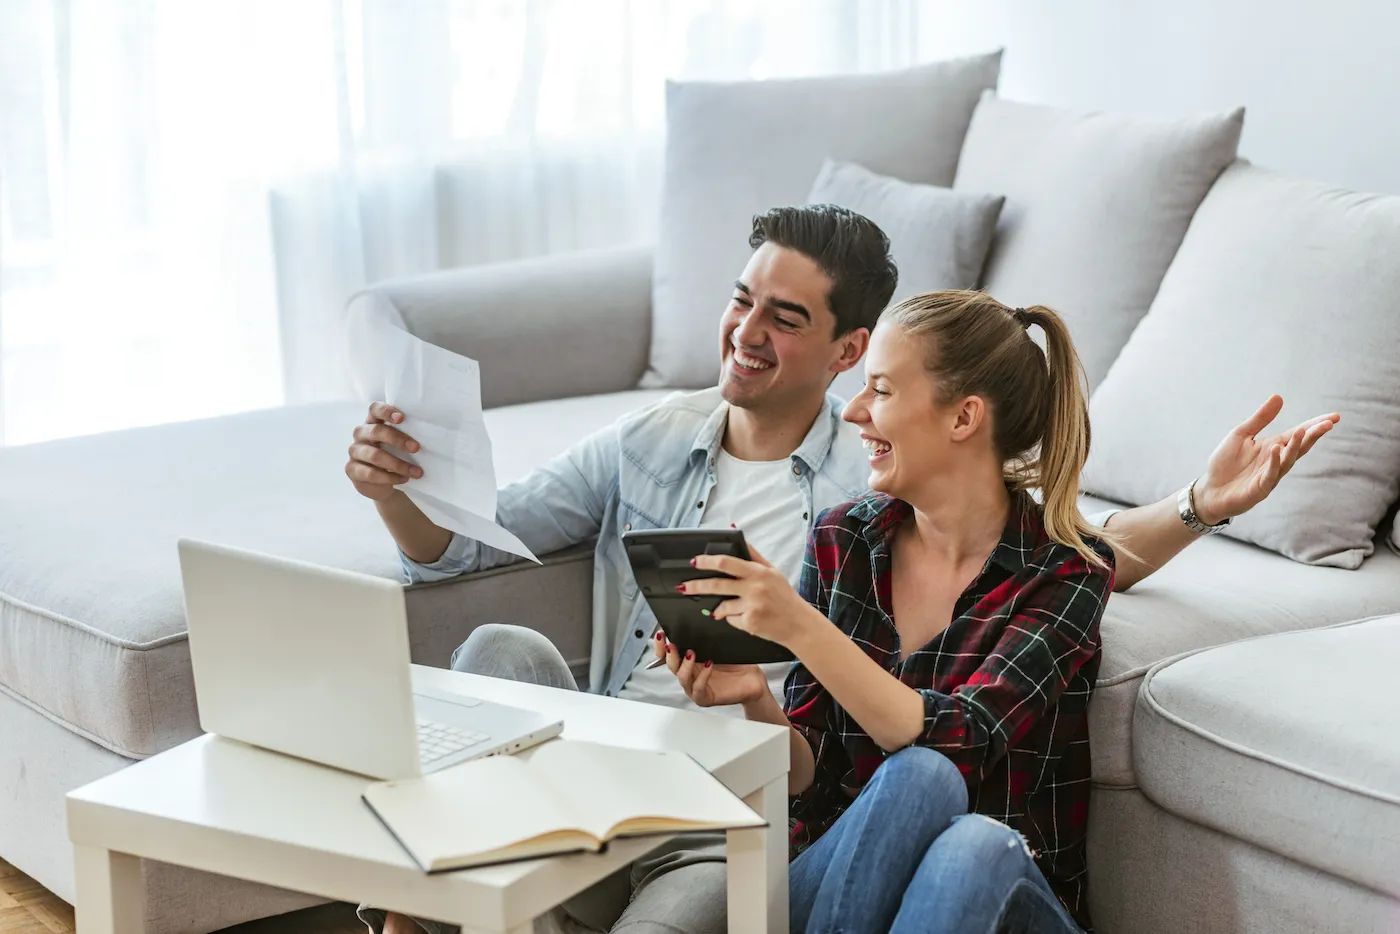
(762, 601)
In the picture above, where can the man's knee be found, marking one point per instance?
(514, 653)
(925, 775)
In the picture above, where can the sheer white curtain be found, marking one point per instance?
(190, 189)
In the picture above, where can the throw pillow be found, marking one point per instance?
(1282, 285)
(734, 150)
(1096, 206)
(938, 237)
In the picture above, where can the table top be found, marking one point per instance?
(223, 806)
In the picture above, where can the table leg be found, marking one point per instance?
(108, 891)
(758, 866)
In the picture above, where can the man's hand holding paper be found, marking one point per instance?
(425, 432)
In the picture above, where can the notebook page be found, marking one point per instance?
(476, 807)
(610, 784)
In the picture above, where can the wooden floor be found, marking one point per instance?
(26, 907)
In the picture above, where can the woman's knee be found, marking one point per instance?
(926, 776)
(987, 842)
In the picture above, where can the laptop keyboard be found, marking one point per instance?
(436, 740)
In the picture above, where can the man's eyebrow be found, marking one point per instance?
(793, 307)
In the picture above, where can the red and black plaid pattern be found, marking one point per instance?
(1006, 686)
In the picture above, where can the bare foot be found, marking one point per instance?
(395, 923)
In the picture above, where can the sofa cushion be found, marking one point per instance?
(1214, 592)
(1281, 285)
(734, 150)
(1096, 206)
(938, 237)
(92, 629)
(1286, 741)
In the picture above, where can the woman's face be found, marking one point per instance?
(909, 437)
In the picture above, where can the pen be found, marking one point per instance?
(656, 663)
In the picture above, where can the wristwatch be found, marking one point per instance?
(1186, 505)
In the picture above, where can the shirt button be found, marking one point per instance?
(700, 505)
(797, 470)
(639, 634)
(627, 527)
(804, 516)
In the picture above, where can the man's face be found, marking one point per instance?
(776, 343)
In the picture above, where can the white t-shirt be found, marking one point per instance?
(764, 500)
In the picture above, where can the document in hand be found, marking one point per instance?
(439, 393)
(565, 797)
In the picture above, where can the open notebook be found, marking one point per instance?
(565, 797)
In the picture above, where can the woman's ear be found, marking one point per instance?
(968, 418)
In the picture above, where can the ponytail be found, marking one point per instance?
(1064, 445)
(1039, 399)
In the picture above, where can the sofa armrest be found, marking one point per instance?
(570, 324)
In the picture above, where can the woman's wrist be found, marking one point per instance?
(765, 709)
(814, 630)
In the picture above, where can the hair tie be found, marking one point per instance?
(1023, 318)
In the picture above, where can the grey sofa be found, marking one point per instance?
(1245, 761)
(94, 671)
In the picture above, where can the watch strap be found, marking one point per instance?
(1186, 506)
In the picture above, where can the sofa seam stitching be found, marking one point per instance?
(1232, 745)
(72, 727)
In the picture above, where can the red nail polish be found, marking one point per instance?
(709, 664)
(660, 636)
(692, 562)
(680, 588)
(689, 654)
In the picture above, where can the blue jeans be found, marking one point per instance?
(906, 857)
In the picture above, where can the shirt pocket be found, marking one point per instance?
(629, 519)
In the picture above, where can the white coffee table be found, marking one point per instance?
(223, 807)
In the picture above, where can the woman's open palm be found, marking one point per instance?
(1245, 468)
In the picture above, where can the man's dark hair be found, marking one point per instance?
(847, 246)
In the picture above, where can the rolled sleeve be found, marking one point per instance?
(454, 561)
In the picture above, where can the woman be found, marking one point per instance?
(947, 637)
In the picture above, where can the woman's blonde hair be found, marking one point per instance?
(976, 346)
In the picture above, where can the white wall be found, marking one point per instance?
(1320, 79)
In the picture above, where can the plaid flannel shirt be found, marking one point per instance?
(1006, 686)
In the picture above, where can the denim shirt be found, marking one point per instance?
(651, 469)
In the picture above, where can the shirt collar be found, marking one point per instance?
(812, 451)
(882, 515)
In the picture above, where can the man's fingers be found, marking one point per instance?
(1261, 418)
(369, 454)
(366, 473)
(384, 412)
(385, 434)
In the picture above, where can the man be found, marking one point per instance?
(766, 451)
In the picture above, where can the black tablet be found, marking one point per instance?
(660, 560)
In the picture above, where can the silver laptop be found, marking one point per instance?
(313, 662)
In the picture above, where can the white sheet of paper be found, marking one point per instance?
(439, 393)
